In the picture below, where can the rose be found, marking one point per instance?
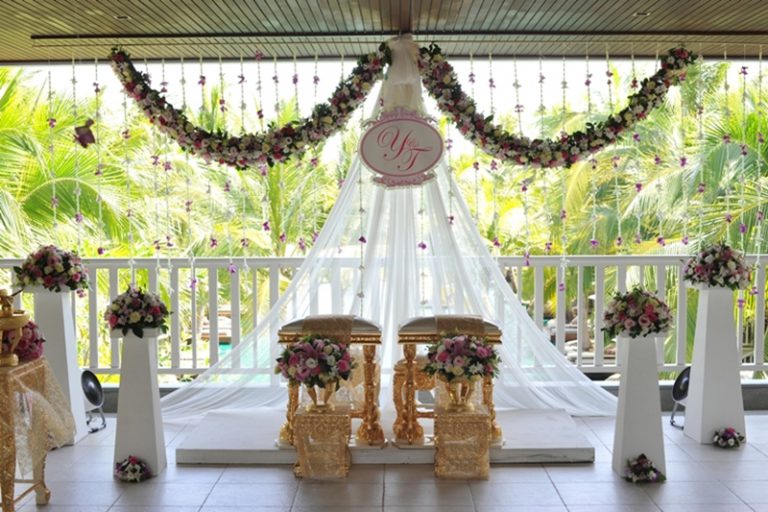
(343, 365)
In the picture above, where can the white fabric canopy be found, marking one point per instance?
(399, 280)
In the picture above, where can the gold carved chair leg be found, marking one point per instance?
(496, 434)
(370, 431)
(407, 428)
(287, 430)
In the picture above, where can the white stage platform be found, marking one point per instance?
(248, 437)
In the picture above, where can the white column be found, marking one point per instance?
(714, 393)
(53, 315)
(638, 420)
(139, 424)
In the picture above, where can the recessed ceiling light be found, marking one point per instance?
(641, 14)
(122, 17)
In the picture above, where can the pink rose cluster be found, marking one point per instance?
(30, 346)
(718, 266)
(275, 145)
(316, 361)
(636, 313)
(462, 357)
(53, 269)
(135, 311)
(442, 83)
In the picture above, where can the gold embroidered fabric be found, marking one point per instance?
(338, 327)
(322, 443)
(456, 324)
(36, 415)
(462, 448)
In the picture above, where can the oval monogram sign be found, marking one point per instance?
(402, 148)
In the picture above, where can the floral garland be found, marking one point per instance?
(275, 145)
(438, 77)
(440, 80)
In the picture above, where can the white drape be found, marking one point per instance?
(400, 280)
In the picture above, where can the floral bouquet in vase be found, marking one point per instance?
(316, 361)
(460, 361)
(30, 345)
(135, 311)
(53, 269)
(718, 266)
(636, 313)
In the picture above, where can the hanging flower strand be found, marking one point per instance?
(99, 164)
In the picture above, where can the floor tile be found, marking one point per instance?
(157, 493)
(709, 493)
(491, 494)
(319, 494)
(731, 507)
(252, 494)
(85, 493)
(613, 508)
(152, 508)
(435, 494)
(602, 493)
(597, 472)
(750, 492)
(278, 474)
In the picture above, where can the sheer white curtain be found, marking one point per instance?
(400, 280)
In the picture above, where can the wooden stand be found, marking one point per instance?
(462, 442)
(322, 443)
(139, 424)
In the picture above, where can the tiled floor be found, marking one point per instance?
(701, 479)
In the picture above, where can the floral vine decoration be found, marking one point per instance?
(728, 437)
(270, 147)
(636, 313)
(440, 80)
(54, 269)
(719, 266)
(642, 469)
(132, 469)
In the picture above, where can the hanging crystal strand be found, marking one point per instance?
(363, 241)
(544, 189)
(244, 243)
(743, 153)
(519, 108)
(451, 192)
(155, 158)
(128, 194)
(494, 164)
(683, 164)
(213, 242)
(563, 188)
(99, 164)
(700, 189)
(423, 247)
(280, 183)
(636, 137)
(615, 159)
(188, 196)
(476, 163)
(51, 156)
(76, 163)
(295, 80)
(315, 161)
(167, 168)
(659, 190)
(759, 174)
(727, 141)
(276, 81)
(228, 188)
(260, 112)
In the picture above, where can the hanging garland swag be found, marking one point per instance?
(279, 144)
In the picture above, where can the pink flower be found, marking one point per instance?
(343, 366)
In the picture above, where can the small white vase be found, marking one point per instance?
(638, 419)
(139, 423)
(53, 315)
(714, 397)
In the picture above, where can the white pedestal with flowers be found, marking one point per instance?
(139, 422)
(41, 274)
(637, 318)
(714, 395)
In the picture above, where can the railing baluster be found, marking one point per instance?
(581, 316)
(760, 317)
(538, 295)
(599, 296)
(234, 283)
(621, 277)
(175, 318)
(661, 292)
(213, 314)
(562, 306)
(194, 320)
(114, 343)
(682, 318)
(93, 318)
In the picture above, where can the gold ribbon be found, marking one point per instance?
(338, 327)
(460, 324)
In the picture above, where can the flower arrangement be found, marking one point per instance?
(635, 313)
(642, 469)
(442, 84)
(315, 361)
(30, 346)
(53, 269)
(728, 437)
(135, 311)
(718, 266)
(462, 357)
(276, 145)
(132, 469)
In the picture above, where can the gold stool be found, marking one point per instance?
(462, 444)
(322, 443)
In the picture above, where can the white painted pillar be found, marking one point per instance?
(638, 420)
(139, 423)
(714, 395)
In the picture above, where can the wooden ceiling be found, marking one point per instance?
(54, 30)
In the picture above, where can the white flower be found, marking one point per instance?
(311, 363)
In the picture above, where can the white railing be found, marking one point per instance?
(223, 306)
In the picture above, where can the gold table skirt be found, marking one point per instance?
(462, 444)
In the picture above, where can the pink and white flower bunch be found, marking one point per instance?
(135, 311)
(30, 346)
(54, 269)
(718, 266)
(316, 361)
(132, 469)
(276, 145)
(462, 357)
(636, 313)
(642, 469)
(728, 437)
(440, 80)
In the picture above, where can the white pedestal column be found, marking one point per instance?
(714, 395)
(53, 314)
(638, 420)
(139, 424)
